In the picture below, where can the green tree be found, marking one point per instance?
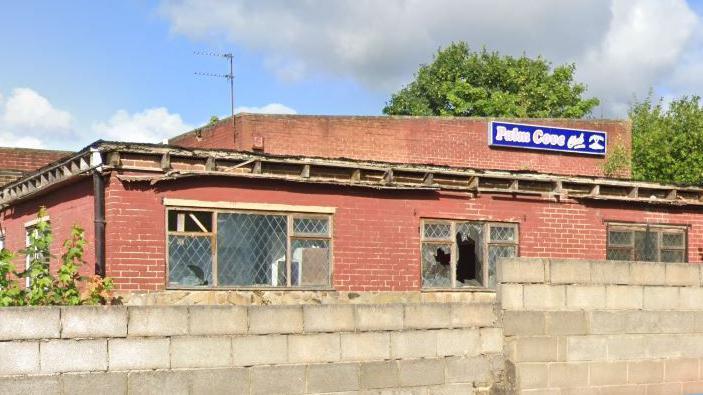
(667, 141)
(461, 82)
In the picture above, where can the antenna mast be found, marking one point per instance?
(229, 76)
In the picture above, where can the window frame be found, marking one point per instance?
(660, 230)
(487, 243)
(29, 228)
(280, 210)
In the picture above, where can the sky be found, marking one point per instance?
(77, 71)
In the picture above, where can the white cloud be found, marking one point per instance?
(11, 140)
(621, 47)
(271, 108)
(28, 119)
(27, 108)
(149, 126)
(644, 44)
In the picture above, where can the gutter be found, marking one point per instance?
(96, 163)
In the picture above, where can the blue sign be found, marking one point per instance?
(547, 138)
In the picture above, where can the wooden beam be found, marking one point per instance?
(634, 192)
(473, 183)
(671, 195)
(428, 179)
(210, 164)
(166, 161)
(113, 159)
(388, 177)
(356, 175)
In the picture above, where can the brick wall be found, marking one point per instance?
(461, 142)
(313, 349)
(602, 326)
(20, 160)
(376, 233)
(67, 207)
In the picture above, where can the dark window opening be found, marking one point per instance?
(468, 258)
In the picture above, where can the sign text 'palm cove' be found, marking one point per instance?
(547, 138)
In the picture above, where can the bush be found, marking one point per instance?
(45, 289)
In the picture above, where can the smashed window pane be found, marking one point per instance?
(251, 249)
(469, 262)
(436, 265)
(190, 221)
(190, 260)
(314, 226)
(437, 230)
(310, 262)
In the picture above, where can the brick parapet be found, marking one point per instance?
(460, 142)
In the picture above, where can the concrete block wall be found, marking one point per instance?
(602, 326)
(423, 348)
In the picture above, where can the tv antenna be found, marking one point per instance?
(229, 76)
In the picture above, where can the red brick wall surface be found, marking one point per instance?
(26, 159)
(461, 142)
(376, 233)
(68, 206)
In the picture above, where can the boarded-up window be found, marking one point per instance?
(249, 249)
(653, 243)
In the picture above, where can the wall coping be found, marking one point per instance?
(598, 272)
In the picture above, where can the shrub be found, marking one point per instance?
(44, 288)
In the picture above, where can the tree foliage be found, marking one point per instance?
(461, 82)
(667, 141)
(44, 288)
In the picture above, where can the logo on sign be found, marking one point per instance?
(547, 138)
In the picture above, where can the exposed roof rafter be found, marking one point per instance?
(159, 163)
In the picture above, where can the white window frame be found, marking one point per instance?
(30, 226)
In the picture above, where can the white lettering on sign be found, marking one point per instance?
(512, 135)
(539, 137)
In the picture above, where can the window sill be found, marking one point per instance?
(171, 288)
(462, 289)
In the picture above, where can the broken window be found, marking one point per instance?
(190, 252)
(653, 243)
(464, 253)
(249, 249)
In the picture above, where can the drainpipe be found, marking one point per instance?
(99, 206)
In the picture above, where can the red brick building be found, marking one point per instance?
(347, 203)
